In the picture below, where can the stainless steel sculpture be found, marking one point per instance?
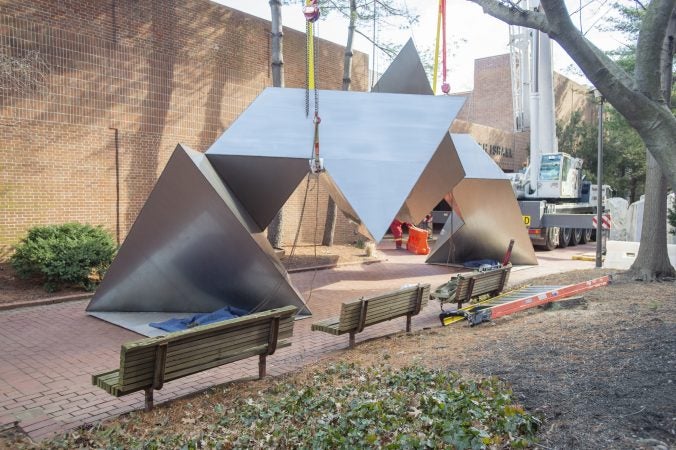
(477, 187)
(486, 213)
(194, 248)
(199, 244)
(375, 147)
(405, 75)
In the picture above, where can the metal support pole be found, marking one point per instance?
(599, 200)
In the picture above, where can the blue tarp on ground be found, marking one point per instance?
(171, 325)
(481, 262)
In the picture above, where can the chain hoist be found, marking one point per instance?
(311, 13)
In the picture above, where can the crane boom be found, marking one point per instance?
(555, 202)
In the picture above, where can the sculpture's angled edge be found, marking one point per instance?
(194, 248)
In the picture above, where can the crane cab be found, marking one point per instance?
(559, 177)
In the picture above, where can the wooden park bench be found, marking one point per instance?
(358, 314)
(148, 363)
(463, 288)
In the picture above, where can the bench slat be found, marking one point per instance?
(210, 361)
(480, 283)
(328, 326)
(195, 350)
(380, 308)
(285, 326)
(140, 385)
(402, 293)
(213, 347)
(373, 317)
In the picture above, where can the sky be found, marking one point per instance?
(477, 34)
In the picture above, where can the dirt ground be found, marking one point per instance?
(599, 372)
(307, 256)
(14, 289)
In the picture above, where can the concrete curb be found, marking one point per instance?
(45, 301)
(332, 266)
(83, 296)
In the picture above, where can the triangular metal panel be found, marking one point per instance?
(191, 250)
(342, 204)
(374, 146)
(354, 125)
(475, 161)
(491, 218)
(443, 250)
(439, 177)
(262, 184)
(374, 189)
(405, 75)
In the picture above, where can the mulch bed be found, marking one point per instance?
(600, 372)
(17, 290)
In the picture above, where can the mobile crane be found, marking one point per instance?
(556, 203)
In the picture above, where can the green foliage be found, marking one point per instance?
(623, 151)
(628, 23)
(68, 254)
(343, 407)
(671, 217)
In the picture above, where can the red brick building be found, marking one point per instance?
(95, 95)
(488, 114)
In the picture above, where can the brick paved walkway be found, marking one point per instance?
(49, 352)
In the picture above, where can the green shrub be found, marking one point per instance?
(672, 217)
(68, 254)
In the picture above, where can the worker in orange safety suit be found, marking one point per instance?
(397, 232)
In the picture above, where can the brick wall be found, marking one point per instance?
(95, 95)
(491, 101)
(488, 113)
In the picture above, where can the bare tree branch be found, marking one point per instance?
(383, 49)
(514, 15)
(604, 73)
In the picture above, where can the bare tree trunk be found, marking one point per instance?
(652, 261)
(331, 208)
(347, 61)
(330, 224)
(277, 41)
(277, 61)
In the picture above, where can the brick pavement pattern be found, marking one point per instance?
(50, 351)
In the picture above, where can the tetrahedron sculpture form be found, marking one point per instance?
(198, 243)
(405, 74)
(194, 248)
(375, 147)
(486, 214)
(481, 193)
